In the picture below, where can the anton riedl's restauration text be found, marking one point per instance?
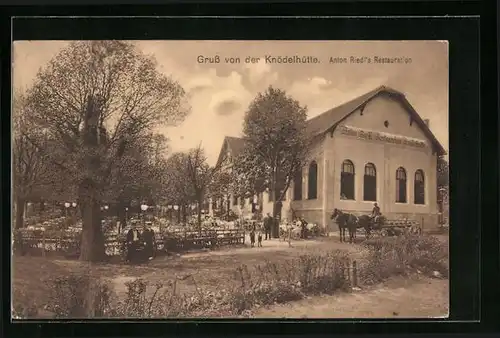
(304, 59)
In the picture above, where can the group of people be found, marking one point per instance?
(302, 223)
(256, 232)
(259, 234)
(140, 244)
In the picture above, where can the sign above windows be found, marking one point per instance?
(369, 135)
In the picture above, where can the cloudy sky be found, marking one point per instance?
(220, 93)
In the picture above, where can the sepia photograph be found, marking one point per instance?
(230, 179)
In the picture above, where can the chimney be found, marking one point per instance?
(427, 122)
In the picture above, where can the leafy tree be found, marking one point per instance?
(276, 144)
(94, 99)
(443, 172)
(443, 177)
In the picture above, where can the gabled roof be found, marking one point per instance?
(331, 118)
(328, 120)
(323, 122)
(235, 144)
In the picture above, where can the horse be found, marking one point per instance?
(368, 223)
(345, 221)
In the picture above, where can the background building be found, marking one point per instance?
(375, 148)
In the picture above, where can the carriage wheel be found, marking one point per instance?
(384, 233)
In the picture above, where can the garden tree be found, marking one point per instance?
(443, 172)
(247, 183)
(32, 174)
(176, 183)
(200, 176)
(139, 174)
(94, 98)
(221, 187)
(276, 143)
(443, 177)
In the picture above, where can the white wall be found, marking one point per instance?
(387, 157)
(312, 209)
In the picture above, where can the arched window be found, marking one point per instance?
(312, 182)
(370, 183)
(419, 187)
(297, 186)
(347, 180)
(401, 185)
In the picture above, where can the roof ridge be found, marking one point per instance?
(345, 103)
(327, 119)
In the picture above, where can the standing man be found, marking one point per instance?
(303, 228)
(148, 236)
(268, 223)
(132, 244)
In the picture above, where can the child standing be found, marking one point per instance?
(259, 239)
(252, 238)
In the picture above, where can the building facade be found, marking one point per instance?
(375, 148)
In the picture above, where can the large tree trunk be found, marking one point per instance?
(20, 203)
(277, 206)
(92, 245)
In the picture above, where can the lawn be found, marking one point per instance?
(203, 269)
(209, 270)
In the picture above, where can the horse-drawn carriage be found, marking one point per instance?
(370, 226)
(396, 227)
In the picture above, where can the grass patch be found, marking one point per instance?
(79, 295)
(30, 286)
(393, 256)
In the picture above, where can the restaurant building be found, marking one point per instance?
(375, 148)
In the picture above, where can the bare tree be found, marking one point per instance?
(31, 173)
(94, 98)
(139, 176)
(177, 187)
(200, 176)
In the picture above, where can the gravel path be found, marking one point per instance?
(418, 297)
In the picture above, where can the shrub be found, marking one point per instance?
(291, 280)
(389, 256)
(24, 304)
(80, 295)
(165, 302)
